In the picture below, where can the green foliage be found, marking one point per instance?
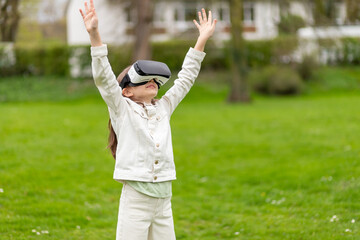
(42, 60)
(290, 23)
(267, 52)
(56, 59)
(345, 51)
(119, 57)
(334, 80)
(7, 59)
(324, 12)
(307, 67)
(352, 11)
(350, 51)
(276, 80)
(172, 52)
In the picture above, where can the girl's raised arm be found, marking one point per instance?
(91, 23)
(206, 27)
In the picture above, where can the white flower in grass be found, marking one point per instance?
(34, 230)
(236, 233)
(45, 232)
(38, 233)
(326, 178)
(353, 221)
(1, 190)
(203, 179)
(334, 218)
(347, 230)
(78, 227)
(278, 202)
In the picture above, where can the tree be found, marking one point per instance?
(9, 20)
(239, 86)
(144, 18)
(324, 12)
(352, 11)
(143, 29)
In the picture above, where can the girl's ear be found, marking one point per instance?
(127, 92)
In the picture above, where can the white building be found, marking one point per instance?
(173, 19)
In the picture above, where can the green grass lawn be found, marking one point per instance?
(275, 169)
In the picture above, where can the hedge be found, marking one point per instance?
(75, 60)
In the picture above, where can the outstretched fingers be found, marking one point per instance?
(214, 23)
(82, 13)
(86, 8)
(204, 15)
(89, 11)
(196, 24)
(200, 18)
(210, 17)
(92, 5)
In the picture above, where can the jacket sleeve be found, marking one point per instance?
(186, 78)
(105, 80)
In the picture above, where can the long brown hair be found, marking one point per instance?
(112, 140)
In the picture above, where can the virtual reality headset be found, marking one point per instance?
(143, 71)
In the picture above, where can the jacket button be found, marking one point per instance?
(158, 118)
(157, 145)
(156, 162)
(155, 177)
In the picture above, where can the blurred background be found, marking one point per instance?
(256, 39)
(266, 143)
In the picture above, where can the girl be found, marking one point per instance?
(144, 156)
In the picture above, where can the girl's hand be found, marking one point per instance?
(90, 18)
(206, 26)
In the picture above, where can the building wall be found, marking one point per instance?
(173, 20)
(114, 24)
(110, 17)
(303, 10)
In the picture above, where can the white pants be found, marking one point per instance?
(144, 218)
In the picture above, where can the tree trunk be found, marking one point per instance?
(352, 11)
(9, 20)
(324, 12)
(239, 91)
(143, 29)
(66, 9)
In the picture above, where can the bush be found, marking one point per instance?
(290, 23)
(276, 80)
(42, 60)
(307, 67)
(119, 57)
(260, 53)
(351, 51)
(171, 52)
(62, 60)
(7, 59)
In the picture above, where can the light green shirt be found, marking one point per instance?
(156, 190)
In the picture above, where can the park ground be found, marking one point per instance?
(277, 168)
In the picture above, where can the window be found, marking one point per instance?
(129, 13)
(190, 12)
(185, 12)
(159, 13)
(249, 13)
(222, 13)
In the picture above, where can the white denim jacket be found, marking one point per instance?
(144, 152)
